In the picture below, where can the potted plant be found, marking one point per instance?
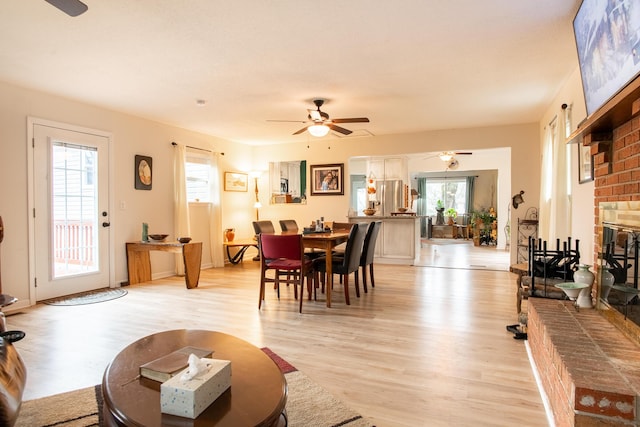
(439, 212)
(451, 214)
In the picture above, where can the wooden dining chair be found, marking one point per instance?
(263, 227)
(289, 225)
(260, 227)
(285, 255)
(349, 263)
(368, 250)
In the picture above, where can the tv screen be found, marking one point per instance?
(607, 36)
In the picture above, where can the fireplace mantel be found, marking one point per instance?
(620, 109)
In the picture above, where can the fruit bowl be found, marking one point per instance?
(184, 239)
(158, 237)
(369, 211)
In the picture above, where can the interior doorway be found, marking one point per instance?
(70, 208)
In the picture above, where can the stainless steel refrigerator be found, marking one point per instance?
(390, 195)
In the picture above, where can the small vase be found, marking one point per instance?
(229, 234)
(607, 279)
(583, 275)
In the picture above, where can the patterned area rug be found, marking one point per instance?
(90, 297)
(308, 404)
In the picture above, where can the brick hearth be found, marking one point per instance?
(588, 368)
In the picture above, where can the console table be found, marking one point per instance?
(139, 262)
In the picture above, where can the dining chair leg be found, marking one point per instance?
(373, 283)
(364, 279)
(346, 289)
(261, 296)
(357, 280)
(301, 283)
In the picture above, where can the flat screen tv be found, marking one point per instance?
(607, 34)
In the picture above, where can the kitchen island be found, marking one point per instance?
(399, 238)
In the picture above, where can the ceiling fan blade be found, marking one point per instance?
(301, 130)
(352, 120)
(462, 152)
(70, 7)
(339, 129)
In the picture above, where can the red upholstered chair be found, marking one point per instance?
(285, 255)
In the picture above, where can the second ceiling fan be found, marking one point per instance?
(319, 122)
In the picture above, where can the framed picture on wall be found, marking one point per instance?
(142, 172)
(235, 181)
(585, 164)
(327, 180)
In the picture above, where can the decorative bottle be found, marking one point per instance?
(583, 275)
(145, 232)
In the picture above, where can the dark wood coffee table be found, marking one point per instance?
(257, 395)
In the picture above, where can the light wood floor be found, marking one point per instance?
(426, 347)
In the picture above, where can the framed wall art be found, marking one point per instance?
(327, 180)
(585, 164)
(235, 181)
(142, 172)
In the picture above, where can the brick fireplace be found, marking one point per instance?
(589, 361)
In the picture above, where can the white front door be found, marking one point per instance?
(71, 217)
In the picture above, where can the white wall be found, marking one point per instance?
(131, 136)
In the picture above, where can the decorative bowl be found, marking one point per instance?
(572, 289)
(369, 211)
(402, 210)
(158, 237)
(184, 239)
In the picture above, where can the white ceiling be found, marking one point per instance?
(408, 65)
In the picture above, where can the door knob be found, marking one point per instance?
(106, 224)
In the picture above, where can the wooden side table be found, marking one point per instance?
(257, 396)
(243, 244)
(139, 262)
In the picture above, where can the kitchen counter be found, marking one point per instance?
(399, 238)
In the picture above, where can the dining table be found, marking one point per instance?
(326, 241)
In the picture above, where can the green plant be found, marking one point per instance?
(486, 217)
(451, 212)
(439, 204)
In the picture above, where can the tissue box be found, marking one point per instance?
(189, 398)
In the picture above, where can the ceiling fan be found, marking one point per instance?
(447, 156)
(70, 7)
(319, 122)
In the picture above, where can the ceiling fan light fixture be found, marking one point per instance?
(318, 130)
(445, 156)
